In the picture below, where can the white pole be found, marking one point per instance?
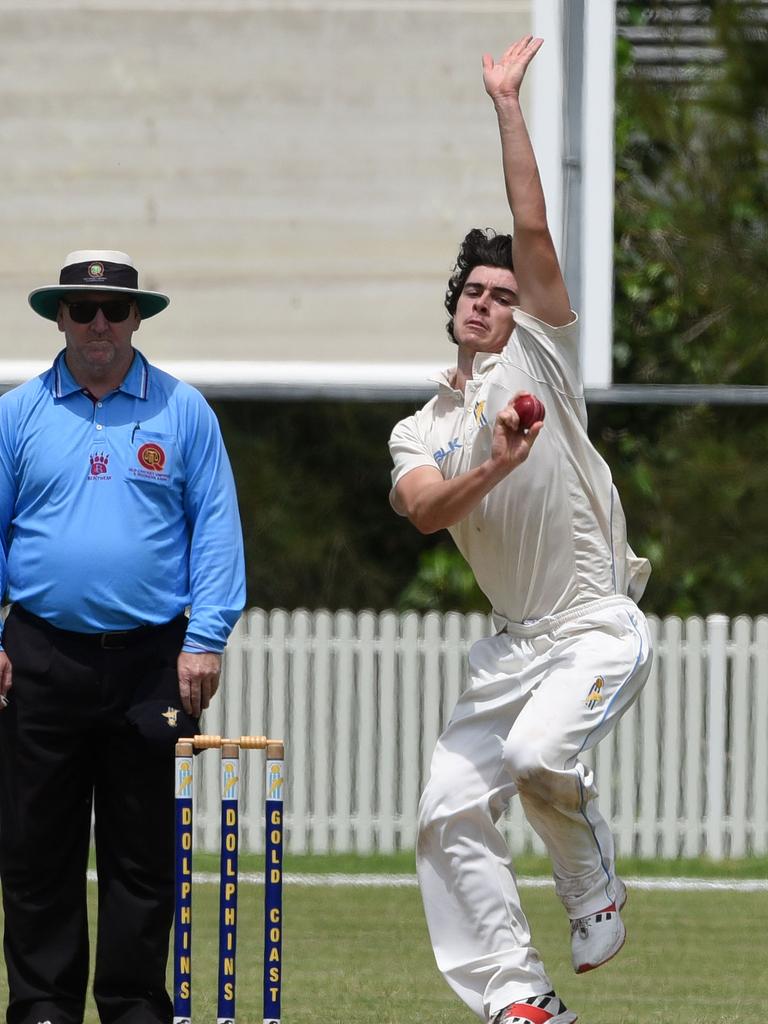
(597, 192)
(547, 108)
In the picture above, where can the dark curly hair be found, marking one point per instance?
(480, 248)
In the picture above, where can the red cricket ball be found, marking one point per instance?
(529, 409)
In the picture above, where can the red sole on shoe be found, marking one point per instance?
(593, 967)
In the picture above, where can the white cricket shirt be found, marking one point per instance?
(552, 535)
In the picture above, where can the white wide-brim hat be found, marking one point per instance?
(99, 270)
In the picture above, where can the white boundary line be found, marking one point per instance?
(410, 882)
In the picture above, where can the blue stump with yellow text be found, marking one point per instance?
(228, 869)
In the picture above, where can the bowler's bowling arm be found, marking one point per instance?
(541, 289)
(433, 503)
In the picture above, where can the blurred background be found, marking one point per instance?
(297, 175)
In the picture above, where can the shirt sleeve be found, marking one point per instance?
(8, 490)
(409, 451)
(552, 352)
(216, 561)
(549, 356)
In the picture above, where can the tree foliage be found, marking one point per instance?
(691, 307)
(443, 582)
(691, 218)
(313, 480)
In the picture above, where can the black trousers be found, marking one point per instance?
(67, 748)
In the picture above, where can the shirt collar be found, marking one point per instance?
(482, 364)
(445, 379)
(135, 382)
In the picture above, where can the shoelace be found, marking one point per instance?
(581, 925)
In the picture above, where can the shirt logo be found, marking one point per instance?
(441, 453)
(99, 462)
(595, 696)
(151, 456)
(478, 410)
(171, 716)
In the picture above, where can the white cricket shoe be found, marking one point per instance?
(546, 1009)
(597, 938)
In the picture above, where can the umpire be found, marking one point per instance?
(118, 518)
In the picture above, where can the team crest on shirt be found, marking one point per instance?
(152, 460)
(151, 456)
(98, 468)
(595, 694)
(478, 411)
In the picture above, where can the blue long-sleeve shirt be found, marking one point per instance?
(120, 512)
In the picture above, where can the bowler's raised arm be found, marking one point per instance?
(541, 289)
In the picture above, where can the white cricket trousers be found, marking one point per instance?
(537, 697)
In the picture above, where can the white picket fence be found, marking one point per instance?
(360, 699)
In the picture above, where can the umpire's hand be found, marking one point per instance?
(198, 680)
(6, 678)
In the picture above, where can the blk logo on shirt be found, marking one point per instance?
(442, 453)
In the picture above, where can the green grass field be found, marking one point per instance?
(361, 956)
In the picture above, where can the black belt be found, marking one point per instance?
(115, 640)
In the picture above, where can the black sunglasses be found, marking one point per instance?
(115, 310)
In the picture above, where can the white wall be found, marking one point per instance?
(296, 175)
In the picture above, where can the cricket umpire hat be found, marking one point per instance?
(99, 270)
